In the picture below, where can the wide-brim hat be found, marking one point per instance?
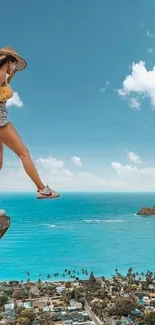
(21, 63)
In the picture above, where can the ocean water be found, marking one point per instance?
(95, 231)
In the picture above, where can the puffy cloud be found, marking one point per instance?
(102, 89)
(151, 51)
(50, 162)
(139, 84)
(15, 101)
(14, 178)
(138, 179)
(149, 34)
(133, 157)
(122, 178)
(118, 167)
(134, 103)
(106, 85)
(76, 161)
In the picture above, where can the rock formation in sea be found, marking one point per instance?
(147, 211)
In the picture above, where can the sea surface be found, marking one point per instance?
(95, 231)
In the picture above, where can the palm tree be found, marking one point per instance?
(28, 274)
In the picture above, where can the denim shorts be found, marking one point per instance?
(3, 114)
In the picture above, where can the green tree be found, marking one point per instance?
(3, 300)
(152, 303)
(124, 306)
(27, 314)
(92, 278)
(23, 321)
(150, 318)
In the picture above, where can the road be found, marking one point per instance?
(92, 316)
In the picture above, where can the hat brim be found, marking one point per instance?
(21, 63)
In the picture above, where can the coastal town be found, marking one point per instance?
(128, 300)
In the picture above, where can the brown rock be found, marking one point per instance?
(147, 211)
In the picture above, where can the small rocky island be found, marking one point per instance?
(147, 211)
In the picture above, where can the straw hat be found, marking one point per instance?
(21, 63)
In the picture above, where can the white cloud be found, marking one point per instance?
(15, 179)
(76, 161)
(106, 85)
(149, 34)
(151, 51)
(134, 103)
(118, 167)
(15, 101)
(50, 162)
(133, 157)
(138, 85)
(102, 89)
(122, 178)
(138, 179)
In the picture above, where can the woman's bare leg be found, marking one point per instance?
(10, 137)
(1, 155)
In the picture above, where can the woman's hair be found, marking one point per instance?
(8, 58)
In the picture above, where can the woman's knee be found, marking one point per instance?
(24, 153)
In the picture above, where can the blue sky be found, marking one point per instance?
(79, 54)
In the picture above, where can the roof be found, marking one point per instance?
(40, 304)
(34, 291)
(18, 293)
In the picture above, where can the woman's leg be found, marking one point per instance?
(10, 137)
(1, 155)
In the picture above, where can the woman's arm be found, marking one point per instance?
(2, 77)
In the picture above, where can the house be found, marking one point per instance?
(37, 305)
(152, 294)
(146, 300)
(58, 315)
(74, 303)
(47, 309)
(151, 287)
(34, 291)
(18, 294)
(5, 288)
(2, 322)
(60, 289)
(26, 304)
(9, 308)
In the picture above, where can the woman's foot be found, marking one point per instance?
(47, 193)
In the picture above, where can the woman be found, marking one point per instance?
(10, 63)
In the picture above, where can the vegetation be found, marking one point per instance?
(150, 318)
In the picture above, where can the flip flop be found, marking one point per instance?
(4, 224)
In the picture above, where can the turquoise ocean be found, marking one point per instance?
(95, 231)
